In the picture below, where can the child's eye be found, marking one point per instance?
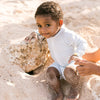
(39, 26)
(47, 25)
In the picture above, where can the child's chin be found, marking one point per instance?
(47, 36)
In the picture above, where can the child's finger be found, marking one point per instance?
(82, 62)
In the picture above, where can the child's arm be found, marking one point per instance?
(92, 56)
(80, 46)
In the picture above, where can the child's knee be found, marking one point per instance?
(71, 75)
(69, 72)
(52, 73)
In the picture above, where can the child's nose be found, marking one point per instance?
(43, 30)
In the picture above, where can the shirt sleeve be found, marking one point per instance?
(79, 43)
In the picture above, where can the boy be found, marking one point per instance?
(63, 45)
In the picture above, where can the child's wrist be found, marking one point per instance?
(75, 54)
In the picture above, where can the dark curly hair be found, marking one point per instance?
(50, 8)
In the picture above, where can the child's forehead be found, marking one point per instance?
(45, 18)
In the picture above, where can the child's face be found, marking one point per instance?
(46, 26)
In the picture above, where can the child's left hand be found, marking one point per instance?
(73, 57)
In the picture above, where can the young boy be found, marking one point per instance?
(63, 45)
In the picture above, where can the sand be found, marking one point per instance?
(17, 21)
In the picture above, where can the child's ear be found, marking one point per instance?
(60, 22)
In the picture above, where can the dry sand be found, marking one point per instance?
(17, 21)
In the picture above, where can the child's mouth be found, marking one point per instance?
(45, 33)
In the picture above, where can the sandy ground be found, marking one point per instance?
(17, 19)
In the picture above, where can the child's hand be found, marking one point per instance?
(73, 57)
(79, 61)
(30, 37)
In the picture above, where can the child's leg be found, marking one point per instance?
(53, 78)
(72, 78)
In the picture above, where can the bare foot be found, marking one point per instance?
(74, 94)
(59, 96)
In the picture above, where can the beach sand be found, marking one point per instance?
(17, 21)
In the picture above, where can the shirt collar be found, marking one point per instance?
(58, 33)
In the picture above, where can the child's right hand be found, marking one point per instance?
(30, 37)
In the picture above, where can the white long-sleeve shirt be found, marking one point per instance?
(64, 44)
